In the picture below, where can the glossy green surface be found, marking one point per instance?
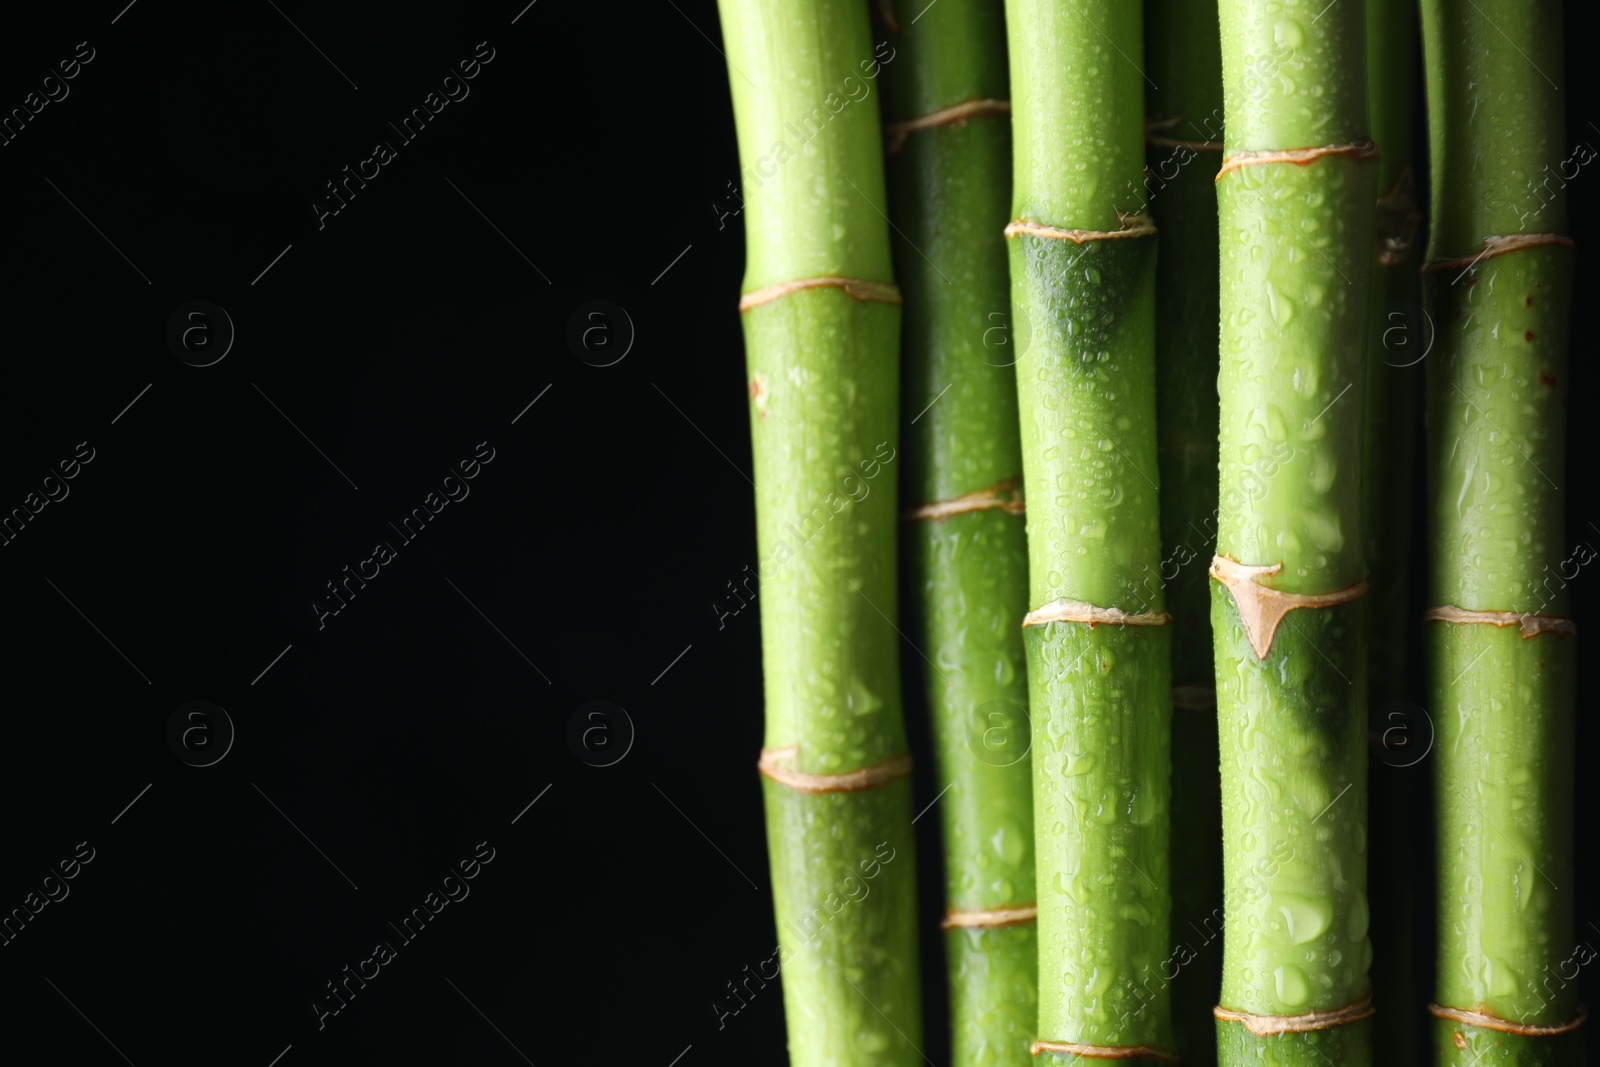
(844, 882)
(1493, 69)
(1293, 73)
(1502, 793)
(1296, 264)
(949, 195)
(1343, 1046)
(994, 996)
(823, 370)
(1183, 57)
(1293, 732)
(1076, 90)
(1102, 801)
(1494, 1048)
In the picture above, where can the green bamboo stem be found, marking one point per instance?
(823, 370)
(1397, 337)
(1100, 693)
(1184, 147)
(1296, 238)
(1502, 702)
(949, 196)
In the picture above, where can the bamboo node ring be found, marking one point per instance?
(1006, 496)
(1132, 225)
(772, 766)
(1298, 156)
(1529, 624)
(1011, 915)
(1103, 1052)
(897, 132)
(1272, 1025)
(1262, 608)
(1484, 1020)
(1499, 246)
(1064, 610)
(855, 288)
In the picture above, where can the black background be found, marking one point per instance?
(424, 717)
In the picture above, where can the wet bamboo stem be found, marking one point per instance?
(823, 382)
(950, 169)
(1497, 393)
(1099, 693)
(1296, 241)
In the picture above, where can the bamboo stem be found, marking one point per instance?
(950, 170)
(1083, 280)
(1501, 694)
(1296, 204)
(823, 367)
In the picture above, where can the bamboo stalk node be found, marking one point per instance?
(1273, 1025)
(1531, 625)
(1012, 915)
(1006, 496)
(855, 288)
(1397, 220)
(1262, 608)
(1132, 225)
(1298, 156)
(1194, 697)
(1104, 1052)
(1499, 246)
(772, 766)
(897, 132)
(1064, 610)
(1488, 1021)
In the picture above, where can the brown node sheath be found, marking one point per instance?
(1530, 625)
(1012, 915)
(1261, 608)
(897, 132)
(1397, 220)
(1300, 156)
(1487, 1021)
(1104, 1052)
(1499, 246)
(855, 288)
(1134, 225)
(771, 765)
(1006, 495)
(1064, 610)
(1272, 1025)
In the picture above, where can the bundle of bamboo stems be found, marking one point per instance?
(1152, 773)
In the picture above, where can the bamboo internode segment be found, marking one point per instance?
(1104, 1052)
(1006, 496)
(1272, 1025)
(1261, 609)
(897, 132)
(1486, 1021)
(850, 782)
(1135, 225)
(856, 288)
(1397, 220)
(1194, 697)
(1300, 156)
(1530, 625)
(1077, 611)
(1499, 246)
(1011, 916)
